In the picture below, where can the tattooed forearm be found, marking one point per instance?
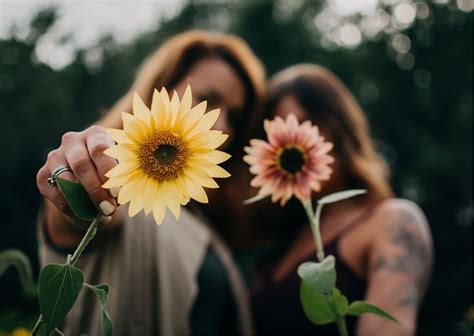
(410, 259)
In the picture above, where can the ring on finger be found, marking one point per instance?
(56, 172)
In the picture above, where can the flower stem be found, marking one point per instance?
(341, 326)
(91, 231)
(37, 326)
(314, 223)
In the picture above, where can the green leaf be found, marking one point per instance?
(102, 291)
(77, 199)
(316, 306)
(20, 261)
(339, 302)
(358, 308)
(321, 277)
(341, 195)
(59, 287)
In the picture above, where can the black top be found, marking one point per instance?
(213, 312)
(276, 306)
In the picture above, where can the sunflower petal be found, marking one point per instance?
(149, 195)
(123, 168)
(207, 140)
(195, 191)
(136, 205)
(173, 199)
(186, 102)
(206, 122)
(116, 181)
(131, 188)
(134, 128)
(122, 152)
(215, 156)
(140, 110)
(174, 104)
(158, 110)
(159, 211)
(187, 122)
(201, 177)
(167, 112)
(117, 135)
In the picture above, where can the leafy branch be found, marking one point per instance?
(60, 285)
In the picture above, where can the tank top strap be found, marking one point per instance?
(358, 221)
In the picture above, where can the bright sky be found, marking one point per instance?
(86, 21)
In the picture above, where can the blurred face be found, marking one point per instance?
(212, 79)
(289, 105)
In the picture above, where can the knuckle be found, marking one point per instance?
(97, 148)
(51, 155)
(67, 137)
(95, 129)
(80, 164)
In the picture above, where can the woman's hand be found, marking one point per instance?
(83, 153)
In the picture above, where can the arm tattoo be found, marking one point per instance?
(412, 260)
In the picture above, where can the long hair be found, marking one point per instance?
(332, 107)
(176, 57)
(170, 64)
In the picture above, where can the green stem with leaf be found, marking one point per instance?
(341, 326)
(90, 234)
(314, 219)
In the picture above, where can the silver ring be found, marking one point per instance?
(58, 171)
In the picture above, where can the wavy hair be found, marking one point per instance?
(332, 107)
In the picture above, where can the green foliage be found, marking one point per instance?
(58, 288)
(321, 277)
(316, 306)
(102, 291)
(77, 199)
(322, 302)
(339, 196)
(20, 262)
(357, 308)
(339, 302)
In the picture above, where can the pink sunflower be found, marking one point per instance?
(294, 161)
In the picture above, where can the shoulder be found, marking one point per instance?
(397, 217)
(401, 212)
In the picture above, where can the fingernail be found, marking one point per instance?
(106, 207)
(106, 220)
(114, 191)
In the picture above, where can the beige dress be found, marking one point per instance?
(152, 273)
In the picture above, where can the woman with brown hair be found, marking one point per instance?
(178, 278)
(382, 245)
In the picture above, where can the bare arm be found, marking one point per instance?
(399, 268)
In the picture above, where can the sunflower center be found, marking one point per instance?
(291, 160)
(164, 156)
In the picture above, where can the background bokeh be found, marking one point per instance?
(409, 64)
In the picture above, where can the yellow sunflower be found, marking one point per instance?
(166, 154)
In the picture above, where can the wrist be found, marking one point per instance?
(62, 230)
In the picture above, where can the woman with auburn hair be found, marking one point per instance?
(178, 278)
(382, 244)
